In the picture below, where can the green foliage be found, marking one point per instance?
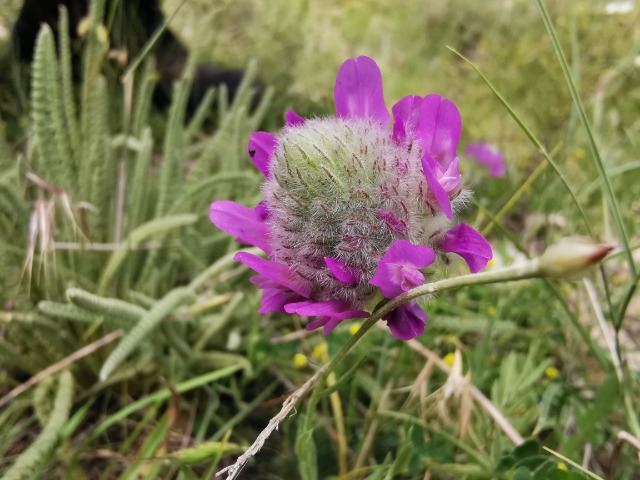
(530, 462)
(112, 233)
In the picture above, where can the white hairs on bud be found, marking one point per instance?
(342, 188)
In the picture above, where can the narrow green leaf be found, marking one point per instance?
(156, 227)
(162, 395)
(602, 172)
(532, 138)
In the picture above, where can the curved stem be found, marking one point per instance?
(529, 269)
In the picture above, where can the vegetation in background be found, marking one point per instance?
(105, 233)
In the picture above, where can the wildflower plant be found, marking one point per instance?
(355, 205)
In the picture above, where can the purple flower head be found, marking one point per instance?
(353, 206)
(489, 156)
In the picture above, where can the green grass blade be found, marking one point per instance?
(574, 464)
(145, 231)
(151, 43)
(604, 177)
(164, 394)
(530, 136)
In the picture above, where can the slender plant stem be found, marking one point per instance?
(528, 269)
(56, 367)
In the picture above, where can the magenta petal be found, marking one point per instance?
(274, 299)
(316, 323)
(407, 321)
(429, 168)
(241, 222)
(337, 309)
(439, 128)
(390, 280)
(293, 119)
(406, 114)
(398, 271)
(403, 252)
(261, 147)
(469, 244)
(295, 306)
(276, 272)
(358, 91)
(330, 313)
(341, 271)
(399, 132)
(451, 178)
(489, 156)
(261, 211)
(410, 278)
(328, 323)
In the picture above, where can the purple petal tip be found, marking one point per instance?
(358, 91)
(260, 148)
(469, 244)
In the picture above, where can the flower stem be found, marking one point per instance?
(529, 269)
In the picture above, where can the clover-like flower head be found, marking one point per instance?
(353, 206)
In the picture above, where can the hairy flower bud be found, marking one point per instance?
(342, 189)
(571, 257)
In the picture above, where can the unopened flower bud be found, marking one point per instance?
(571, 257)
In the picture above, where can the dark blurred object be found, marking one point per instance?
(133, 23)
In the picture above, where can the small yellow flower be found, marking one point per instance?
(617, 279)
(320, 351)
(353, 329)
(562, 466)
(566, 288)
(491, 310)
(449, 358)
(451, 339)
(580, 153)
(552, 373)
(491, 263)
(299, 360)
